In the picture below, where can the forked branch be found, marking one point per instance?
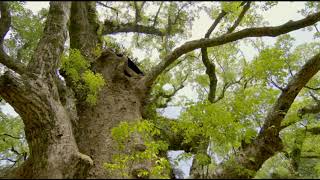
(272, 31)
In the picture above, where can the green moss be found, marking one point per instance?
(124, 135)
(83, 79)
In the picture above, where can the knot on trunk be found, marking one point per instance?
(140, 147)
(81, 165)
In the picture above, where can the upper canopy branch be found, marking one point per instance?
(104, 5)
(215, 23)
(155, 20)
(289, 93)
(138, 11)
(112, 28)
(210, 66)
(240, 17)
(5, 22)
(249, 32)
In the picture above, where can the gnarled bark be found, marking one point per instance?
(119, 100)
(34, 95)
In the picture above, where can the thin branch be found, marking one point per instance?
(179, 61)
(8, 159)
(316, 28)
(104, 5)
(155, 20)
(178, 13)
(137, 12)
(142, 4)
(15, 151)
(169, 96)
(240, 17)
(215, 23)
(272, 31)
(315, 89)
(310, 109)
(314, 130)
(225, 87)
(5, 134)
(289, 67)
(219, 64)
(314, 97)
(276, 85)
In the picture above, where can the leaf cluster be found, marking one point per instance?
(85, 81)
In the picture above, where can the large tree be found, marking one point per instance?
(69, 122)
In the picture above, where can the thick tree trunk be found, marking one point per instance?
(35, 96)
(120, 100)
(53, 149)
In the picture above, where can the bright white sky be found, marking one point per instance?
(279, 14)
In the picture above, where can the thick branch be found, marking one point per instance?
(210, 67)
(10, 63)
(83, 28)
(249, 32)
(211, 72)
(289, 93)
(267, 143)
(111, 28)
(51, 45)
(5, 22)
